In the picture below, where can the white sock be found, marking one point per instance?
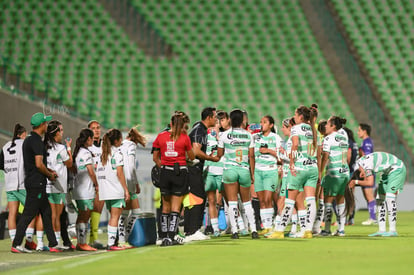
(293, 229)
(39, 238)
(121, 225)
(302, 220)
(311, 212)
(29, 234)
(266, 215)
(57, 235)
(277, 220)
(233, 215)
(214, 224)
(328, 216)
(382, 214)
(392, 211)
(112, 230)
(319, 216)
(226, 213)
(250, 215)
(81, 232)
(136, 211)
(243, 217)
(12, 234)
(240, 222)
(342, 216)
(285, 214)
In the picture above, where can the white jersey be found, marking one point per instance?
(83, 188)
(214, 168)
(344, 133)
(56, 157)
(336, 145)
(236, 143)
(128, 150)
(97, 152)
(110, 187)
(13, 165)
(266, 162)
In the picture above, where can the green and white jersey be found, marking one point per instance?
(287, 145)
(305, 156)
(56, 157)
(83, 188)
(128, 150)
(236, 143)
(215, 168)
(336, 145)
(379, 162)
(97, 152)
(110, 187)
(266, 162)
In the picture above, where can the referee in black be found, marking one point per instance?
(34, 156)
(193, 218)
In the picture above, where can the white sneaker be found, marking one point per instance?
(39, 247)
(197, 236)
(369, 222)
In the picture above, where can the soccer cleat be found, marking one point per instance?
(30, 245)
(325, 233)
(300, 234)
(178, 239)
(39, 248)
(255, 235)
(369, 222)
(125, 245)
(339, 233)
(85, 247)
(20, 249)
(55, 249)
(307, 235)
(291, 235)
(377, 234)
(166, 242)
(114, 248)
(276, 235)
(390, 234)
(235, 236)
(244, 232)
(350, 222)
(265, 231)
(316, 232)
(216, 234)
(97, 244)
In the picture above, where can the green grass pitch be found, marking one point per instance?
(354, 254)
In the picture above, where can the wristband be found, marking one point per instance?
(356, 182)
(69, 149)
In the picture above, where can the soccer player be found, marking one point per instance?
(128, 149)
(59, 159)
(392, 181)
(267, 146)
(11, 162)
(303, 171)
(367, 147)
(85, 186)
(112, 185)
(170, 149)
(98, 205)
(334, 158)
(352, 157)
(237, 147)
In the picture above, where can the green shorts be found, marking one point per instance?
(307, 177)
(213, 182)
(393, 182)
(333, 187)
(85, 205)
(265, 180)
(56, 198)
(133, 196)
(237, 174)
(119, 203)
(17, 195)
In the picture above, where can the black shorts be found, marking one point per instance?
(173, 184)
(196, 181)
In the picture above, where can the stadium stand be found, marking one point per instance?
(381, 33)
(257, 55)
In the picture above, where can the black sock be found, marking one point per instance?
(164, 225)
(173, 225)
(256, 208)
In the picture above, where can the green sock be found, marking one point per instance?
(95, 219)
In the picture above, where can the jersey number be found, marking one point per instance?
(239, 155)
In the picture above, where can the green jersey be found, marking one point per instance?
(305, 156)
(215, 168)
(236, 143)
(379, 162)
(336, 144)
(266, 162)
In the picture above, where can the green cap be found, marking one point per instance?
(39, 118)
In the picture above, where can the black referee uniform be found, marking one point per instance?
(36, 197)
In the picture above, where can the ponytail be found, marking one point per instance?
(312, 120)
(52, 129)
(135, 136)
(81, 140)
(177, 125)
(338, 122)
(107, 141)
(18, 131)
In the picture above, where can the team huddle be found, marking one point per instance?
(251, 179)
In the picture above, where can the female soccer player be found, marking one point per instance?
(237, 146)
(112, 185)
(334, 157)
(11, 162)
(267, 147)
(84, 186)
(128, 149)
(391, 183)
(170, 149)
(59, 159)
(303, 171)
